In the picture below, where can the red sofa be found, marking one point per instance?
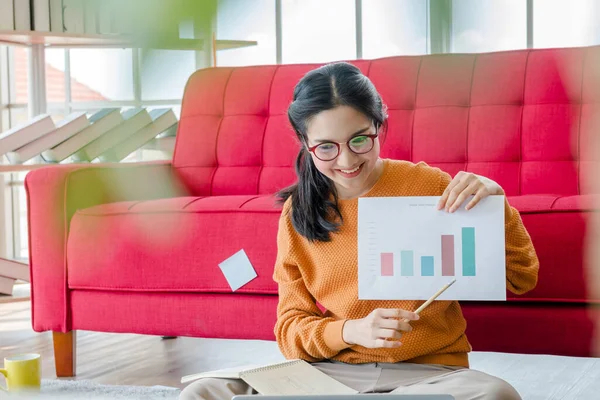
(136, 247)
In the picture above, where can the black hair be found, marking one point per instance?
(315, 212)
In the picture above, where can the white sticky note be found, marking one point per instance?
(238, 270)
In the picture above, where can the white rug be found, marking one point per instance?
(88, 390)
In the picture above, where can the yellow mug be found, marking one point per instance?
(22, 372)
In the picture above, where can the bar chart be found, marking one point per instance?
(407, 249)
(427, 262)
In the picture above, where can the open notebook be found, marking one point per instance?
(291, 377)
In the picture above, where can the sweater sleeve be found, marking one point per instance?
(301, 330)
(522, 264)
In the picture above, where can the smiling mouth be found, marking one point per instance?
(353, 171)
(350, 171)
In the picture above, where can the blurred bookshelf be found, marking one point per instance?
(71, 40)
(102, 24)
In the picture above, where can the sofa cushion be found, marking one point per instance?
(558, 226)
(172, 244)
(539, 203)
(154, 245)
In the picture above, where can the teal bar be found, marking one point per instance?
(406, 263)
(426, 265)
(468, 251)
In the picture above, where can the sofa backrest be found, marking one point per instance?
(526, 118)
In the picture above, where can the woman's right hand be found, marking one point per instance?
(381, 324)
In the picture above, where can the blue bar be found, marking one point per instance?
(406, 263)
(468, 251)
(426, 265)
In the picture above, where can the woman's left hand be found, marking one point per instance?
(464, 185)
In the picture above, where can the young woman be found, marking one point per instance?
(371, 346)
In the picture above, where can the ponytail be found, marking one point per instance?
(314, 212)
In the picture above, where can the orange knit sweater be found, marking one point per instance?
(327, 273)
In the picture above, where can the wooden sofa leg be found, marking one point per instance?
(64, 353)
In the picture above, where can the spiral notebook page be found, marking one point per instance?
(293, 378)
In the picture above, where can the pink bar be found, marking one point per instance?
(447, 255)
(387, 264)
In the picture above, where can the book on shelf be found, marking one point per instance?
(71, 125)
(56, 16)
(293, 377)
(7, 15)
(7, 285)
(100, 123)
(41, 15)
(162, 120)
(22, 12)
(105, 21)
(90, 16)
(24, 134)
(163, 144)
(171, 132)
(121, 21)
(73, 16)
(14, 269)
(134, 120)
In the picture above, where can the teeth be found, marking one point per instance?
(350, 171)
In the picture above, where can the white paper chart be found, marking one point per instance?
(408, 249)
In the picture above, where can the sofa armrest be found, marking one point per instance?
(54, 194)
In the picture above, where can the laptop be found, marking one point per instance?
(380, 396)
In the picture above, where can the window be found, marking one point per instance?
(560, 23)
(394, 27)
(18, 116)
(14, 97)
(5, 82)
(317, 31)
(101, 74)
(55, 77)
(18, 61)
(245, 20)
(485, 26)
(164, 73)
(14, 89)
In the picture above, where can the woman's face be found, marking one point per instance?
(352, 173)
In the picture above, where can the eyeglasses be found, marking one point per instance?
(329, 151)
